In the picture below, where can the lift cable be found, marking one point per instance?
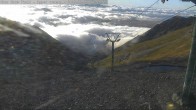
(149, 7)
(174, 15)
(177, 13)
(146, 8)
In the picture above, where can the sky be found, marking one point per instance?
(171, 4)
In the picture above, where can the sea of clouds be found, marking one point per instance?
(83, 27)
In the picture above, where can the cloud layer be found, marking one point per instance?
(83, 28)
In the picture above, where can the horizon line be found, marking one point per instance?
(54, 2)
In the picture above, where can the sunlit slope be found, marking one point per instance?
(174, 44)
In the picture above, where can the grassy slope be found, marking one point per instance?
(172, 45)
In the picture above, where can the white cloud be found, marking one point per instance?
(77, 24)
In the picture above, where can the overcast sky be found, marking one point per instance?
(171, 4)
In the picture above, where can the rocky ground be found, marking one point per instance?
(128, 87)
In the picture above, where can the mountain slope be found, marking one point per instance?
(33, 66)
(26, 48)
(172, 45)
(163, 28)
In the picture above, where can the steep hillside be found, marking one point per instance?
(173, 45)
(30, 61)
(24, 48)
(165, 27)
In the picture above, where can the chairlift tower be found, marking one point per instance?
(113, 37)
